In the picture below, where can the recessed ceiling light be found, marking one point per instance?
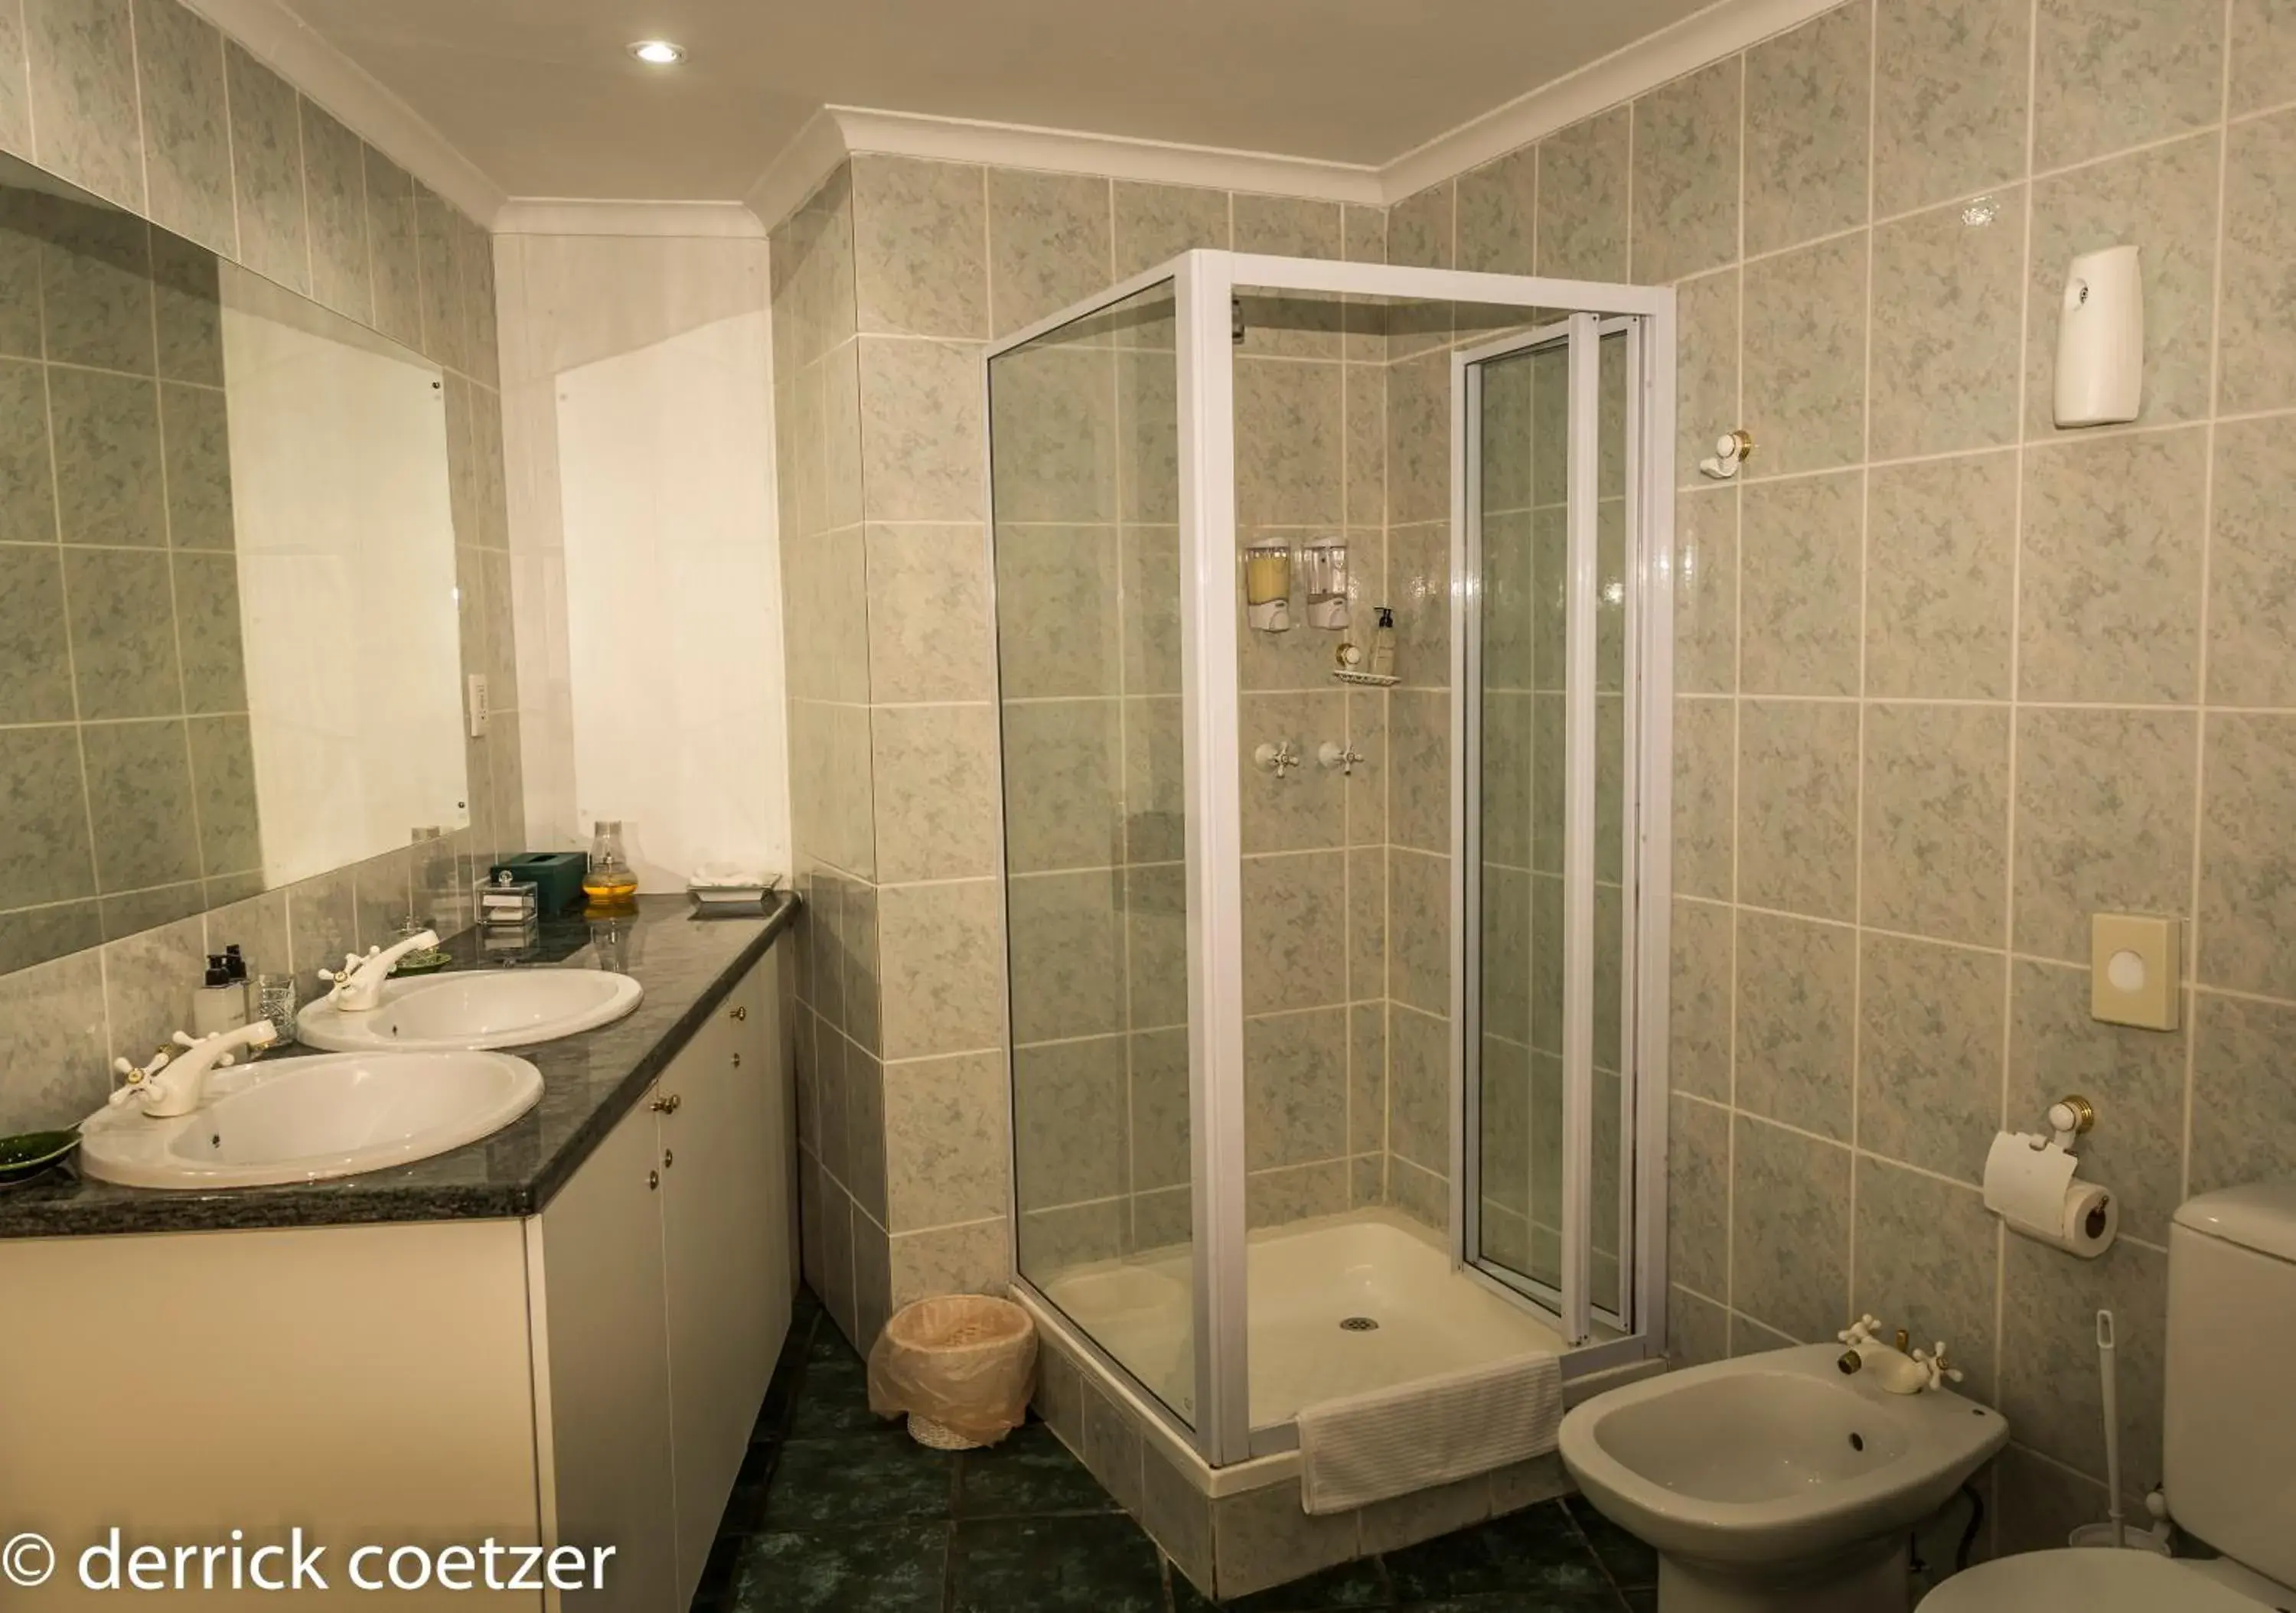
(658, 53)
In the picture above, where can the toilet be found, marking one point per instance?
(2231, 1436)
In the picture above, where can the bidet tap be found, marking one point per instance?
(171, 1087)
(359, 984)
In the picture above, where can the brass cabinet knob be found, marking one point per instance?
(653, 1181)
(666, 1103)
(668, 1159)
(737, 1061)
(740, 1012)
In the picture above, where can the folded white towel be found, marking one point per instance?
(1430, 1431)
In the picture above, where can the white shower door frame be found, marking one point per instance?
(1204, 284)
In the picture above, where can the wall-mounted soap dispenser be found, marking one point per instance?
(2101, 340)
(1324, 560)
(1268, 587)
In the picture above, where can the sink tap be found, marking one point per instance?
(175, 1084)
(359, 984)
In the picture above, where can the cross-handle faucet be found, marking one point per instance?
(175, 1082)
(358, 983)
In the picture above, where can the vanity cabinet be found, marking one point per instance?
(664, 1269)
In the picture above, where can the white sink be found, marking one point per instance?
(488, 1008)
(302, 1119)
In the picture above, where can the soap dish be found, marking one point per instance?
(23, 1158)
(1368, 680)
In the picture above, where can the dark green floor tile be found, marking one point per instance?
(891, 1568)
(1536, 1551)
(860, 1478)
(1028, 1472)
(1350, 1584)
(828, 1344)
(1643, 1601)
(745, 1508)
(1632, 1563)
(1602, 1600)
(715, 1593)
(1056, 1565)
(835, 1400)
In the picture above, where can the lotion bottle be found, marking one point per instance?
(219, 1005)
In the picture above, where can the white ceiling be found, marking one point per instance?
(541, 96)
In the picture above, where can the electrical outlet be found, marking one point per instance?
(481, 707)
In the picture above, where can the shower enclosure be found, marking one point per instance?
(1332, 636)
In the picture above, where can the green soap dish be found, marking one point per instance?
(428, 962)
(23, 1158)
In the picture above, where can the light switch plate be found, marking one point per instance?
(481, 708)
(2136, 968)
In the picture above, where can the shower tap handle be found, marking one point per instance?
(1278, 756)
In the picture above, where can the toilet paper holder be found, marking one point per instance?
(2070, 1117)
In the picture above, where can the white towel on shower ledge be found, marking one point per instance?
(1430, 1431)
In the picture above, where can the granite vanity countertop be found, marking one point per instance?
(687, 966)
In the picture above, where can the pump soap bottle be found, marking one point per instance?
(218, 1005)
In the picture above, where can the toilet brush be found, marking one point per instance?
(2106, 1368)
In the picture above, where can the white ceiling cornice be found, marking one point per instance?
(1722, 30)
(800, 166)
(309, 61)
(576, 216)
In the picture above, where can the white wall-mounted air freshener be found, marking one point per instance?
(2101, 340)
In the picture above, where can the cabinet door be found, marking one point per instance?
(721, 1216)
(607, 1387)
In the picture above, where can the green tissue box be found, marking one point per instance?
(555, 875)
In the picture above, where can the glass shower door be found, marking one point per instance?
(1548, 430)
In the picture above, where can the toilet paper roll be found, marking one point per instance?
(2091, 1222)
(2028, 1183)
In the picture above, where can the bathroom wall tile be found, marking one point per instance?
(186, 146)
(1057, 590)
(1940, 594)
(2243, 1105)
(335, 187)
(1055, 426)
(942, 956)
(1944, 360)
(1928, 1260)
(46, 858)
(36, 683)
(1950, 82)
(1158, 1111)
(1306, 809)
(1295, 1079)
(2164, 199)
(2136, 1077)
(28, 500)
(1149, 608)
(223, 782)
(927, 614)
(1418, 448)
(1419, 751)
(1697, 1330)
(872, 1277)
(1068, 959)
(2257, 332)
(921, 425)
(1419, 938)
(1506, 951)
(1935, 859)
(1497, 214)
(1068, 1120)
(936, 769)
(1706, 369)
(1294, 917)
(2252, 565)
(438, 280)
(2041, 1503)
(842, 436)
(1582, 198)
(1686, 174)
(1796, 1017)
(123, 637)
(94, 295)
(1365, 785)
(919, 247)
(1368, 923)
(15, 92)
(1285, 225)
(194, 436)
(107, 449)
(55, 1017)
(1423, 1195)
(1705, 763)
(1798, 806)
(1419, 1088)
(1807, 110)
(1789, 1229)
(139, 909)
(1800, 567)
(2263, 48)
(266, 151)
(1419, 586)
(138, 779)
(1061, 761)
(2248, 864)
(1698, 1195)
(82, 79)
(1262, 1539)
(1294, 415)
(1367, 1084)
(2109, 577)
(2060, 1412)
(1050, 243)
(1699, 1060)
(1805, 357)
(2104, 822)
(1422, 229)
(1154, 222)
(2108, 74)
(1932, 1024)
(1154, 770)
(390, 248)
(148, 982)
(1502, 1082)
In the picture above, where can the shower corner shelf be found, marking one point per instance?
(1369, 680)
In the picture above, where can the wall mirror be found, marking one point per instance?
(229, 634)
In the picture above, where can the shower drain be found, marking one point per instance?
(1360, 1324)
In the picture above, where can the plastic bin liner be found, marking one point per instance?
(964, 1362)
